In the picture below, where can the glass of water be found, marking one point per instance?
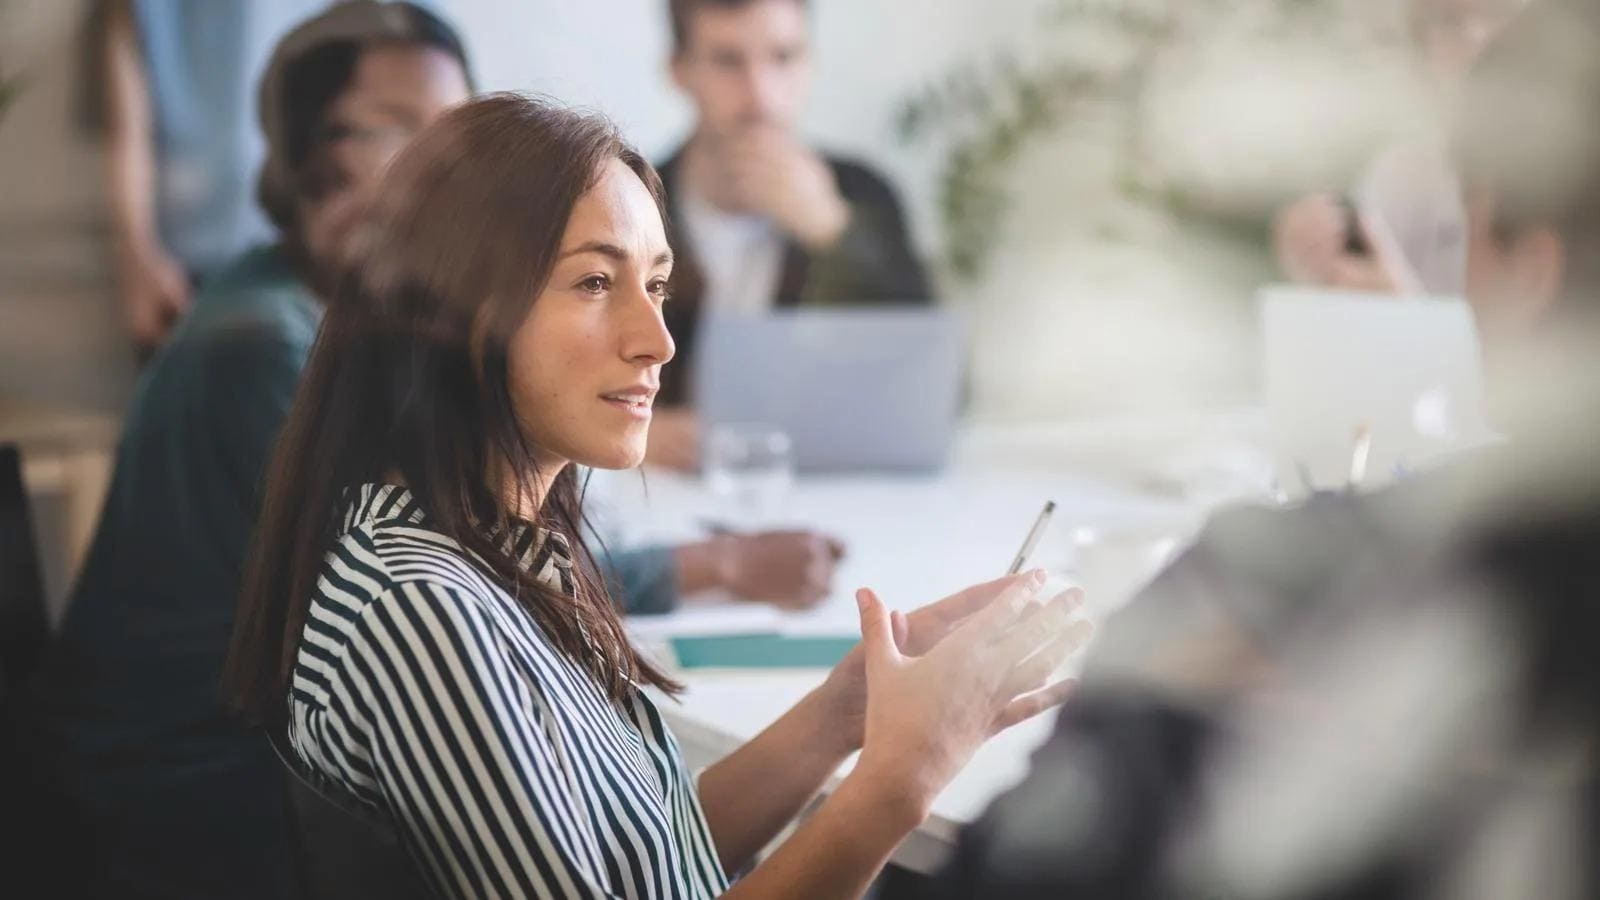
(750, 470)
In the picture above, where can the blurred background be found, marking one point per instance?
(1154, 140)
(1093, 180)
(1199, 252)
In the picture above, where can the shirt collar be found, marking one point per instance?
(534, 548)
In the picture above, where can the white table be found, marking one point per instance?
(916, 539)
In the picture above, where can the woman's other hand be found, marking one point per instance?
(924, 690)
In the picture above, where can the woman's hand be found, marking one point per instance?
(925, 689)
(927, 714)
(154, 292)
(916, 634)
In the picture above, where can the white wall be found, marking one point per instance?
(61, 341)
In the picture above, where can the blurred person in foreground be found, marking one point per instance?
(760, 220)
(1385, 696)
(1402, 230)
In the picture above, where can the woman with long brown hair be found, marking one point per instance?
(423, 621)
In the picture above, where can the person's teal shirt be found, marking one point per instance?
(180, 799)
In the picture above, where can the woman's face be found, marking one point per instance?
(586, 363)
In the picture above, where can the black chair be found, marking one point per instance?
(345, 849)
(24, 631)
(37, 825)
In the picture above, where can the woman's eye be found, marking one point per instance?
(594, 284)
(658, 289)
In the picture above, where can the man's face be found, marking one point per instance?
(745, 67)
(395, 92)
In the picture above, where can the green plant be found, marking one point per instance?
(990, 112)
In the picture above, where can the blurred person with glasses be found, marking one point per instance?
(157, 789)
(172, 85)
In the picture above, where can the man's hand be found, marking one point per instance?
(770, 173)
(789, 569)
(1309, 236)
(154, 293)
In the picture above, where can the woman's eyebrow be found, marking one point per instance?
(612, 251)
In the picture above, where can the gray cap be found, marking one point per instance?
(360, 21)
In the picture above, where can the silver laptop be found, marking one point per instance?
(1407, 370)
(856, 390)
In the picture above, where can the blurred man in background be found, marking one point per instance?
(1403, 228)
(1391, 696)
(760, 220)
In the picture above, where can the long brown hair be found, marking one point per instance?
(409, 377)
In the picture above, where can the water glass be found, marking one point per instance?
(749, 468)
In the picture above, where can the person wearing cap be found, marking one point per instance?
(163, 793)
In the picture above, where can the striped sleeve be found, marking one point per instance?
(461, 750)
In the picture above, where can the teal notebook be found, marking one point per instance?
(761, 651)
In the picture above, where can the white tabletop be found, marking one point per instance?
(918, 538)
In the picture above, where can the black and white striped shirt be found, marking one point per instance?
(432, 695)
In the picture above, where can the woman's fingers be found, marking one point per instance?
(958, 606)
(877, 632)
(901, 629)
(1014, 602)
(1037, 625)
(1033, 671)
(1029, 705)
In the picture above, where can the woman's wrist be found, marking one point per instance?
(825, 714)
(888, 796)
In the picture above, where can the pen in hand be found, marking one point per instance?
(1032, 539)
